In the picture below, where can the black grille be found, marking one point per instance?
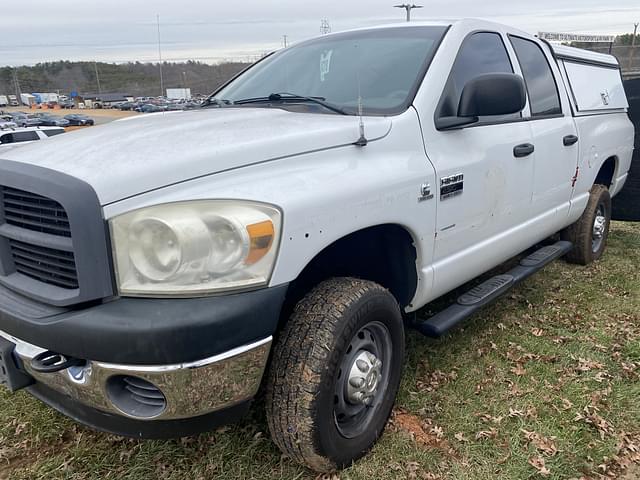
(53, 237)
(34, 212)
(48, 265)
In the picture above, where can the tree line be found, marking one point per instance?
(138, 79)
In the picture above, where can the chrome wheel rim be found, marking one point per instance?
(599, 228)
(362, 379)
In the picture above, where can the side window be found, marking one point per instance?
(25, 136)
(481, 53)
(541, 86)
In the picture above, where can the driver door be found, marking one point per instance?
(484, 189)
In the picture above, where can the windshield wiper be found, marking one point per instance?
(292, 97)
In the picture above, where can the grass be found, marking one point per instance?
(543, 384)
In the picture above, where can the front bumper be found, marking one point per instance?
(206, 356)
(190, 389)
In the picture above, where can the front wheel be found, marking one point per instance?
(335, 373)
(589, 234)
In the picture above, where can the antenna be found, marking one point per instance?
(408, 7)
(362, 141)
(285, 42)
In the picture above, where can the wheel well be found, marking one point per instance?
(384, 254)
(605, 175)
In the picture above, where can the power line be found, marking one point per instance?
(408, 7)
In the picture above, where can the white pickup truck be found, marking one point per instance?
(156, 271)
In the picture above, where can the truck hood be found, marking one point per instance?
(142, 153)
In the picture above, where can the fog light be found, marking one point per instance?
(136, 397)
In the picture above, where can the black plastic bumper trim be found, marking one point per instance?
(126, 427)
(153, 331)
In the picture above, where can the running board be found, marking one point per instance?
(490, 290)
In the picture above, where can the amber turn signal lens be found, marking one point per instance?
(261, 235)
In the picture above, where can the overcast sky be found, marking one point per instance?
(33, 31)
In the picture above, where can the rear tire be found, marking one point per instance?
(335, 373)
(589, 234)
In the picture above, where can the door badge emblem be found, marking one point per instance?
(425, 192)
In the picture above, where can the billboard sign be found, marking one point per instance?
(576, 37)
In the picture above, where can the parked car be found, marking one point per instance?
(26, 120)
(284, 234)
(125, 106)
(79, 119)
(53, 120)
(6, 124)
(150, 108)
(11, 137)
(6, 121)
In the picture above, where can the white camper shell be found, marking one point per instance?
(594, 80)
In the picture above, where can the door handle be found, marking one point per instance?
(569, 140)
(523, 150)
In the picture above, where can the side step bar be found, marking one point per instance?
(490, 290)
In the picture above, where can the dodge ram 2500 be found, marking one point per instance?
(156, 271)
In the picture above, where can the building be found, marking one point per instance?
(179, 93)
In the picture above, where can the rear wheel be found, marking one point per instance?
(589, 234)
(335, 373)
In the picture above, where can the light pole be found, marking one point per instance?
(160, 58)
(408, 7)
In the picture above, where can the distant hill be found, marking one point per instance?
(139, 79)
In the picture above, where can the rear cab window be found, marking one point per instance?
(542, 89)
(481, 53)
(53, 132)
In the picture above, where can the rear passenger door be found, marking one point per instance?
(553, 130)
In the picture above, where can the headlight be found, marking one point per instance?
(192, 248)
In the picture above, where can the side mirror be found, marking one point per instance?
(487, 95)
(492, 94)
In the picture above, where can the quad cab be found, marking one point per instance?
(154, 272)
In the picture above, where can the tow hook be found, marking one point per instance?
(51, 362)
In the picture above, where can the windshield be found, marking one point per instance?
(383, 67)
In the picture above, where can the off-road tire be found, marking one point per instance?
(306, 365)
(581, 232)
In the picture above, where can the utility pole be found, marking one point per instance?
(184, 84)
(17, 85)
(160, 58)
(408, 7)
(324, 26)
(284, 40)
(95, 64)
(633, 45)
